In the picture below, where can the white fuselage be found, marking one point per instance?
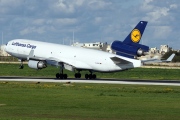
(80, 58)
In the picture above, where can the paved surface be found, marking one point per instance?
(105, 81)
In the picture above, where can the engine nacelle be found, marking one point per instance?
(37, 64)
(121, 47)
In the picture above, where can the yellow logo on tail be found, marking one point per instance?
(135, 35)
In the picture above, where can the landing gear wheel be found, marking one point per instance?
(86, 76)
(61, 76)
(21, 66)
(57, 75)
(94, 76)
(90, 76)
(77, 75)
(65, 76)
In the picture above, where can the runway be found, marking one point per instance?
(97, 81)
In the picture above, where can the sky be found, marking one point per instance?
(90, 20)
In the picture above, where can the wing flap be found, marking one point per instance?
(118, 60)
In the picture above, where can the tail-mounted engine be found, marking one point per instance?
(37, 64)
(133, 49)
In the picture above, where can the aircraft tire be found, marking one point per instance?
(90, 76)
(77, 75)
(61, 76)
(65, 76)
(86, 76)
(57, 75)
(94, 76)
(21, 66)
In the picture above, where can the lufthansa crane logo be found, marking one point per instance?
(135, 35)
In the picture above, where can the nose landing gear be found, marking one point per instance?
(21, 66)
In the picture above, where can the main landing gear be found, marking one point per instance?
(90, 76)
(60, 74)
(76, 75)
(87, 76)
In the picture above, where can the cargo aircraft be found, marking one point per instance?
(40, 54)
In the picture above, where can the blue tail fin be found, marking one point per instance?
(136, 34)
(130, 47)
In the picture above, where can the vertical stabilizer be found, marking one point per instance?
(130, 47)
(136, 34)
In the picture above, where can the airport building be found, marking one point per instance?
(164, 49)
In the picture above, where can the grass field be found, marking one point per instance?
(27, 101)
(137, 73)
(43, 101)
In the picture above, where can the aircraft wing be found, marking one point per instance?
(33, 57)
(68, 63)
(158, 61)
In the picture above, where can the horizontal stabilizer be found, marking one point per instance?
(158, 61)
(170, 58)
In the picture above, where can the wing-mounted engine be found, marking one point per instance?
(132, 49)
(37, 64)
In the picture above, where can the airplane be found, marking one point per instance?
(40, 54)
